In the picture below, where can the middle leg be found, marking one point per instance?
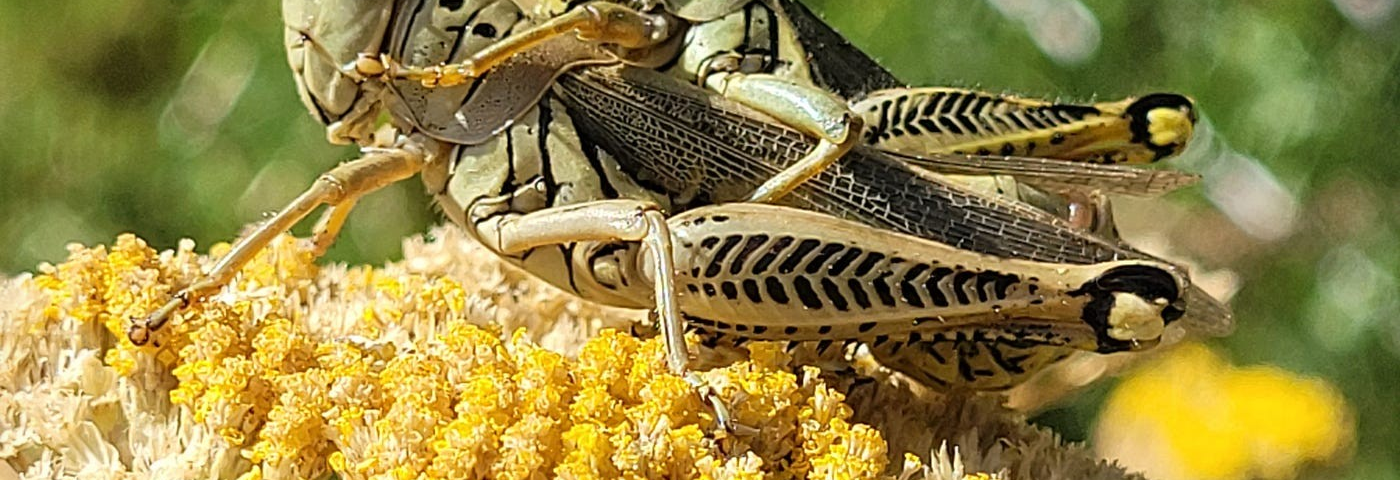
(806, 108)
(609, 221)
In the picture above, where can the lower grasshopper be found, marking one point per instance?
(578, 190)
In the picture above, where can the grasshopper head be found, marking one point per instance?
(1162, 122)
(324, 39)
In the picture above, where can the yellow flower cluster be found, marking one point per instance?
(1192, 415)
(407, 384)
(448, 364)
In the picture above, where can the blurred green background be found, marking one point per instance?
(180, 119)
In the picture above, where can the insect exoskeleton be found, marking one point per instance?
(617, 107)
(745, 50)
(341, 52)
(959, 121)
(571, 171)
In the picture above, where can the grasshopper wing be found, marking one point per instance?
(1056, 174)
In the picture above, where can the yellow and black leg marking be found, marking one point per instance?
(929, 122)
(949, 120)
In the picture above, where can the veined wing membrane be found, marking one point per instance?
(1056, 174)
(700, 149)
(682, 140)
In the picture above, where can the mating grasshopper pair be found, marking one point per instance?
(695, 158)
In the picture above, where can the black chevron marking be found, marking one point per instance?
(815, 265)
(729, 290)
(844, 261)
(795, 258)
(751, 290)
(775, 290)
(761, 266)
(931, 286)
(1011, 365)
(806, 294)
(879, 341)
(717, 263)
(833, 293)
(872, 259)
(858, 293)
(960, 281)
(882, 290)
(907, 287)
(742, 256)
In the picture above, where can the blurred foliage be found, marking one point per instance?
(179, 119)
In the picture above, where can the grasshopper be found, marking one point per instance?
(614, 183)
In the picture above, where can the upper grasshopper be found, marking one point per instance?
(577, 142)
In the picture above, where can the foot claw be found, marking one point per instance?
(141, 329)
(722, 415)
(138, 332)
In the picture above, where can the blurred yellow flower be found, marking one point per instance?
(1191, 415)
